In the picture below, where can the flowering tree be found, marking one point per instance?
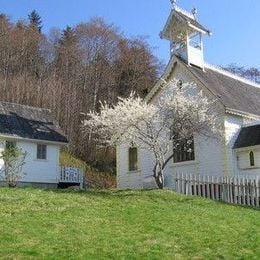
(178, 115)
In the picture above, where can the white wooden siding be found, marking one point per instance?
(127, 179)
(233, 125)
(39, 171)
(43, 171)
(243, 161)
(209, 155)
(146, 167)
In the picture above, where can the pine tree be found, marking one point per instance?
(35, 20)
(68, 36)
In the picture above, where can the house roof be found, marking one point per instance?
(248, 136)
(232, 91)
(29, 122)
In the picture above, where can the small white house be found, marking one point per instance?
(35, 131)
(238, 105)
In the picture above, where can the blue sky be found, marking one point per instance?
(235, 23)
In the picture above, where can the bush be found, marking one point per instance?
(14, 160)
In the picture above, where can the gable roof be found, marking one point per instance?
(29, 122)
(235, 93)
(232, 91)
(248, 136)
(190, 19)
(180, 16)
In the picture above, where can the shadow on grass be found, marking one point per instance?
(102, 193)
(153, 194)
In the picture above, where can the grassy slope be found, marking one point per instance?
(121, 224)
(67, 159)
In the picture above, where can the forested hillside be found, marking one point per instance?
(71, 70)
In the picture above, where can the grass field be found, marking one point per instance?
(152, 224)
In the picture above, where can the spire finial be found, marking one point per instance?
(173, 2)
(194, 11)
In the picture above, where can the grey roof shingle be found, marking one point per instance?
(248, 136)
(29, 122)
(233, 93)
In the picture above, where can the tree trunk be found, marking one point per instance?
(158, 176)
(12, 185)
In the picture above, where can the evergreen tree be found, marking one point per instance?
(68, 36)
(35, 20)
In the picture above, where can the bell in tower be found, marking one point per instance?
(185, 35)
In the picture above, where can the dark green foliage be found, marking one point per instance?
(68, 36)
(35, 20)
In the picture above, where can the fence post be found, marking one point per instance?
(203, 186)
(257, 192)
(217, 188)
(187, 184)
(235, 190)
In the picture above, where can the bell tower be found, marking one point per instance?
(185, 34)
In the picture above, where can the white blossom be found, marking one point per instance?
(178, 114)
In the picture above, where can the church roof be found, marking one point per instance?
(29, 122)
(177, 21)
(248, 136)
(190, 19)
(232, 91)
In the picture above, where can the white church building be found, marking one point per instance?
(238, 153)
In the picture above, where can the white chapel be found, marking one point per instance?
(238, 153)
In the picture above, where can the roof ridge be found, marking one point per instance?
(190, 15)
(22, 105)
(231, 75)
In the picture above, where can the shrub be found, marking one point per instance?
(14, 160)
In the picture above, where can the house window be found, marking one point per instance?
(132, 153)
(10, 144)
(184, 151)
(41, 151)
(252, 158)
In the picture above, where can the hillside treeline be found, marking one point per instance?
(71, 70)
(251, 73)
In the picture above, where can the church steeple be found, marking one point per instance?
(185, 35)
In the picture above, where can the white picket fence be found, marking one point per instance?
(235, 190)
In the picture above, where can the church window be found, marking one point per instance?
(133, 161)
(184, 151)
(252, 158)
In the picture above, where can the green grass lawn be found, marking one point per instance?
(152, 224)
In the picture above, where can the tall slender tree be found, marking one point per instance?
(35, 20)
